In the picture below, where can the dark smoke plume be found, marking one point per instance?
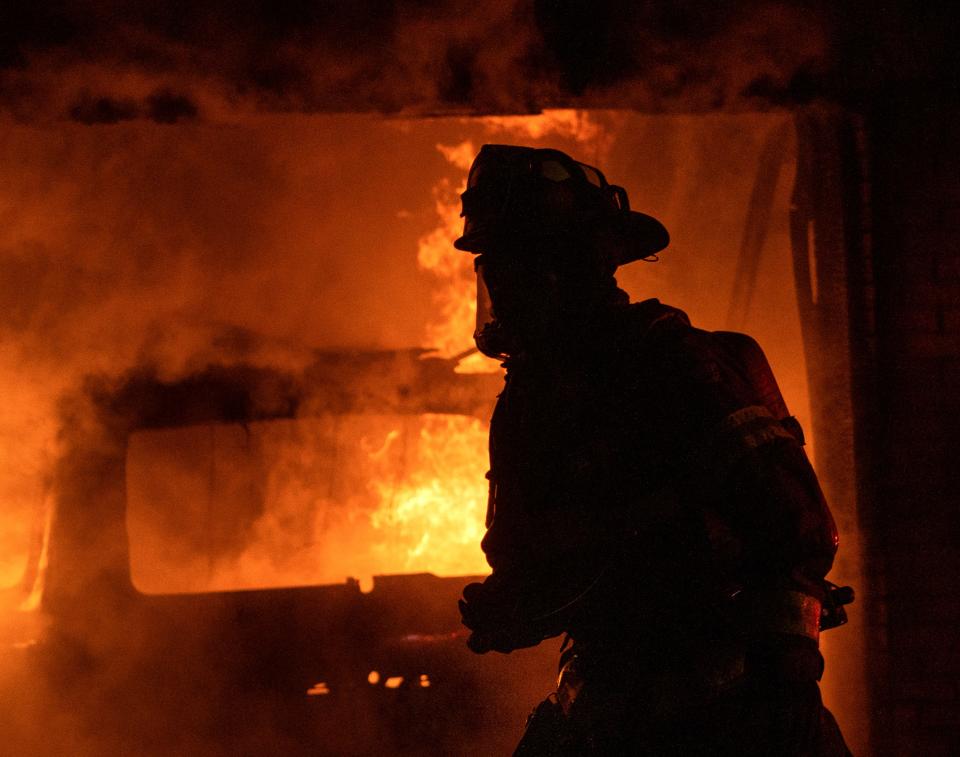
(104, 62)
(100, 61)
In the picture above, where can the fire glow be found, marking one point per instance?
(317, 499)
(368, 266)
(178, 249)
(416, 495)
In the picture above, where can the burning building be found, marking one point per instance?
(245, 435)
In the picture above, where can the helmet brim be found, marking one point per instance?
(475, 240)
(644, 236)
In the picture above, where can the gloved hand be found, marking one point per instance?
(521, 604)
(496, 618)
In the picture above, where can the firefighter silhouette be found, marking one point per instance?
(649, 493)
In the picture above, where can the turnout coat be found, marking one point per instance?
(651, 499)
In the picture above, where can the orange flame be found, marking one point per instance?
(436, 515)
(325, 498)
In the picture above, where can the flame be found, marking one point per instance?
(326, 498)
(451, 330)
(436, 515)
(26, 442)
(579, 125)
(318, 689)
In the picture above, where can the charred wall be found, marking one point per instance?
(912, 521)
(876, 231)
(828, 253)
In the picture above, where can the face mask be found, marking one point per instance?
(518, 306)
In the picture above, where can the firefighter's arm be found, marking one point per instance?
(541, 567)
(769, 494)
(775, 506)
(545, 566)
(750, 454)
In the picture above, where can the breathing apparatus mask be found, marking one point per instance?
(536, 219)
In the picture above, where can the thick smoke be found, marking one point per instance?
(104, 62)
(162, 107)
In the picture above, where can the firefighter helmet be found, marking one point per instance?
(516, 193)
